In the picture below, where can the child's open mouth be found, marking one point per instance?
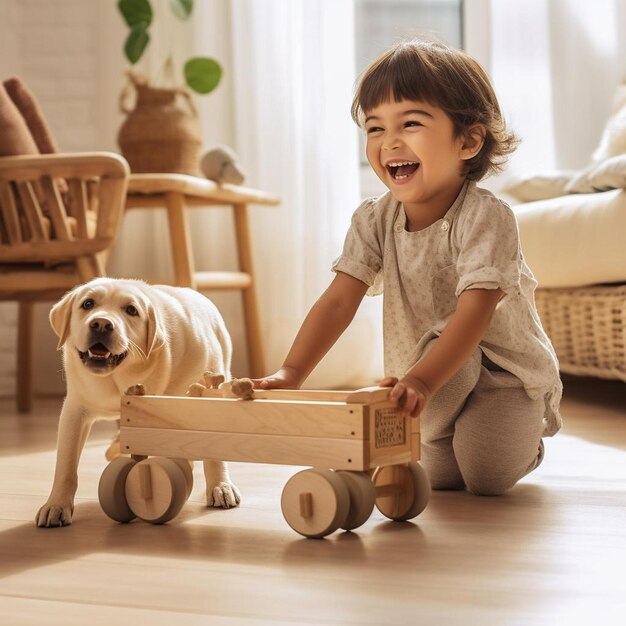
(402, 170)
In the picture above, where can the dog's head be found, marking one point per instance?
(107, 322)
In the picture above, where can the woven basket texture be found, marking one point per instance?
(161, 134)
(587, 326)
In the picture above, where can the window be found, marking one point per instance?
(381, 23)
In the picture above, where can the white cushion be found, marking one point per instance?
(609, 174)
(613, 140)
(538, 185)
(575, 240)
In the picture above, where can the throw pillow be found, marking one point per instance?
(613, 141)
(28, 106)
(539, 185)
(30, 110)
(15, 138)
(610, 174)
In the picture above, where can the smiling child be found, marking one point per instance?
(464, 346)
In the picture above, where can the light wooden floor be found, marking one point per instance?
(553, 551)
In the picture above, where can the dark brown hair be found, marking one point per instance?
(446, 78)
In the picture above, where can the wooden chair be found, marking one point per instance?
(59, 217)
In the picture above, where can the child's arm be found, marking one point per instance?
(456, 343)
(323, 325)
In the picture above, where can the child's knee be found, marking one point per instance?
(492, 479)
(483, 485)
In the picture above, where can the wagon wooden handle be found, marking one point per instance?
(368, 395)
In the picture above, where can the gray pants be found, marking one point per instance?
(481, 431)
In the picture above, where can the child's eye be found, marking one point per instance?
(374, 129)
(412, 123)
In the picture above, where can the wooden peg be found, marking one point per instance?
(306, 505)
(196, 390)
(213, 380)
(136, 390)
(243, 388)
(145, 481)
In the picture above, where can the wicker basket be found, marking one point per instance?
(161, 133)
(587, 326)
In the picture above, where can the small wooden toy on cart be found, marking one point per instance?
(362, 452)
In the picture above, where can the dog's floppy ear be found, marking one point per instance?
(155, 338)
(60, 317)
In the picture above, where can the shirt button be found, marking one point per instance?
(399, 228)
(445, 225)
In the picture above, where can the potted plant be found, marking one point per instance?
(161, 132)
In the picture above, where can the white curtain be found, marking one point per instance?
(293, 66)
(555, 65)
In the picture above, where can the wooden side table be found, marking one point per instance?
(175, 193)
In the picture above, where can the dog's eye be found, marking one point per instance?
(131, 310)
(88, 304)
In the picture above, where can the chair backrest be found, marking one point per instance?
(58, 207)
(59, 215)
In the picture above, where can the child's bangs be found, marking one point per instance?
(394, 79)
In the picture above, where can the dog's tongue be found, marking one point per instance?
(99, 349)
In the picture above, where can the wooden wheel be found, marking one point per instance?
(315, 502)
(187, 467)
(362, 498)
(402, 491)
(112, 490)
(156, 489)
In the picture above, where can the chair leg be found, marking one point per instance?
(90, 267)
(256, 358)
(25, 356)
(253, 333)
(180, 238)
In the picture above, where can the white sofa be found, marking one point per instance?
(573, 233)
(576, 247)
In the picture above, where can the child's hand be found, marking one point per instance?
(284, 378)
(410, 394)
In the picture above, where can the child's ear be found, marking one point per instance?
(473, 140)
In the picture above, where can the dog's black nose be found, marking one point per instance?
(101, 325)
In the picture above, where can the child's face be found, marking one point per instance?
(412, 148)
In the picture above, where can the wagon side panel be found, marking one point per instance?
(316, 434)
(393, 438)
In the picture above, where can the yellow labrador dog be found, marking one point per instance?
(114, 334)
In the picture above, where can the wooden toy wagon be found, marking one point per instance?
(362, 453)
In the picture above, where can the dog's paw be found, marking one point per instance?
(53, 514)
(224, 495)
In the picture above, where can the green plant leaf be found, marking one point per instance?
(203, 74)
(181, 8)
(136, 42)
(135, 11)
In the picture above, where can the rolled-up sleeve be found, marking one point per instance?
(489, 249)
(362, 250)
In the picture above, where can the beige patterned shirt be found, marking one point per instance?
(474, 246)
